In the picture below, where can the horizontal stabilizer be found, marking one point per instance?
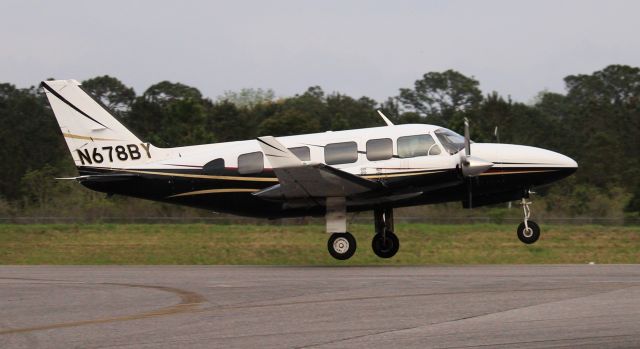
(101, 177)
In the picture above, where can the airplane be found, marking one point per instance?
(321, 174)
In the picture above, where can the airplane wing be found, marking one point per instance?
(306, 180)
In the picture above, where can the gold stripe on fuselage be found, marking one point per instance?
(514, 172)
(188, 175)
(75, 136)
(269, 179)
(408, 174)
(216, 191)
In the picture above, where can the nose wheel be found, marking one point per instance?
(528, 231)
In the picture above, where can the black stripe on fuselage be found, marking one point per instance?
(268, 175)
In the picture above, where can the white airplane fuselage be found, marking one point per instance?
(411, 180)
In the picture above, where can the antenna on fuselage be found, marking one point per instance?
(386, 120)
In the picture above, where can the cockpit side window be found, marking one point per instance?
(451, 141)
(418, 145)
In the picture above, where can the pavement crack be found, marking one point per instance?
(510, 344)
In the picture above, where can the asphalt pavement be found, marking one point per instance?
(541, 306)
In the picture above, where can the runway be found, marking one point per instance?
(587, 306)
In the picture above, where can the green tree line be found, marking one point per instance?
(596, 121)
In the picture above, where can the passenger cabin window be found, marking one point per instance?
(379, 149)
(341, 153)
(251, 163)
(418, 145)
(303, 153)
(214, 166)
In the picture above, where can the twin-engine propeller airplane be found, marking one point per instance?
(322, 174)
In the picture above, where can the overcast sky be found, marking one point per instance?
(369, 48)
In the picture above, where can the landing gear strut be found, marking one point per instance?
(341, 244)
(528, 231)
(385, 243)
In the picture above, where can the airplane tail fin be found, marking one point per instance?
(94, 136)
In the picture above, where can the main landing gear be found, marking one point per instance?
(385, 243)
(342, 245)
(528, 231)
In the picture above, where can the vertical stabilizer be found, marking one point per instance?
(94, 136)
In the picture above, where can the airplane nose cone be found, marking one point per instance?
(522, 155)
(531, 165)
(569, 162)
(552, 158)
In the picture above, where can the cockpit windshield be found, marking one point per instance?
(450, 140)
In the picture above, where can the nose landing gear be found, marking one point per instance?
(528, 231)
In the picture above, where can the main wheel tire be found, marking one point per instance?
(385, 247)
(531, 235)
(341, 245)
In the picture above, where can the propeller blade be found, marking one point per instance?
(470, 191)
(467, 141)
(471, 166)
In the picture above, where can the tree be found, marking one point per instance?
(111, 92)
(634, 204)
(348, 113)
(165, 92)
(441, 95)
(39, 186)
(171, 114)
(30, 137)
(248, 97)
(289, 122)
(304, 113)
(614, 85)
(391, 108)
(229, 123)
(605, 125)
(494, 111)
